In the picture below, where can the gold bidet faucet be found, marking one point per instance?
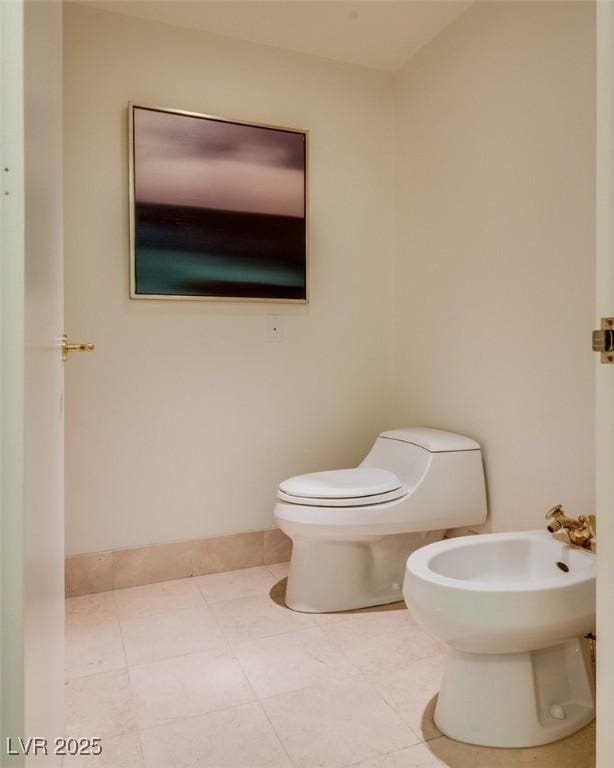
(580, 530)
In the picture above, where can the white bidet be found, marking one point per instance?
(514, 609)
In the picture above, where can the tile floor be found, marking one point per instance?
(214, 672)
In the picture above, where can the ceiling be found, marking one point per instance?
(381, 34)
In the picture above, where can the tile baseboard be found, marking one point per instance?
(120, 568)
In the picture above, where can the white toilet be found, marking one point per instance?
(353, 529)
(514, 609)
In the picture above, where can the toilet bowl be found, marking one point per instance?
(353, 529)
(514, 609)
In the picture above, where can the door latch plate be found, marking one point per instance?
(603, 340)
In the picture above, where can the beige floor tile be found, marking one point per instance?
(188, 685)
(99, 705)
(88, 610)
(93, 648)
(411, 690)
(240, 737)
(371, 651)
(371, 621)
(418, 756)
(576, 751)
(292, 661)
(118, 752)
(279, 570)
(333, 726)
(162, 636)
(222, 587)
(251, 618)
(152, 599)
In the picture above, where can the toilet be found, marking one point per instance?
(514, 610)
(352, 530)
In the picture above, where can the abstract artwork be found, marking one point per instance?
(218, 208)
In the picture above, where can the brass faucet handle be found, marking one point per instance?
(556, 517)
(580, 531)
(554, 512)
(592, 521)
(589, 524)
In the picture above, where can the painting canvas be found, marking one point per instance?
(218, 208)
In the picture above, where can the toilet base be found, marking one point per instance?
(513, 700)
(340, 575)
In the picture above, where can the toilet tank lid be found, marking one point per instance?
(432, 440)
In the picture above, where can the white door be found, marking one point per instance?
(44, 376)
(32, 564)
(11, 368)
(605, 384)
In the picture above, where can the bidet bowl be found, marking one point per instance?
(513, 609)
(502, 592)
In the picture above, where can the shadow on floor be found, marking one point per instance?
(576, 751)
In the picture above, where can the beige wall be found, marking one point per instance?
(185, 418)
(495, 253)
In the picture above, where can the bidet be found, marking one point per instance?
(514, 609)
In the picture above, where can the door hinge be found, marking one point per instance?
(603, 340)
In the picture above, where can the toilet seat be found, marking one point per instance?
(360, 486)
(353, 501)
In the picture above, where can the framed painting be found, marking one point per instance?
(218, 208)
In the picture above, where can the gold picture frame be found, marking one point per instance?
(155, 227)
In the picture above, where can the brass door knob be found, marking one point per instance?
(68, 347)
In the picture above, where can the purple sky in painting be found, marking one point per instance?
(182, 160)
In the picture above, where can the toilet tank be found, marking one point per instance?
(443, 472)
